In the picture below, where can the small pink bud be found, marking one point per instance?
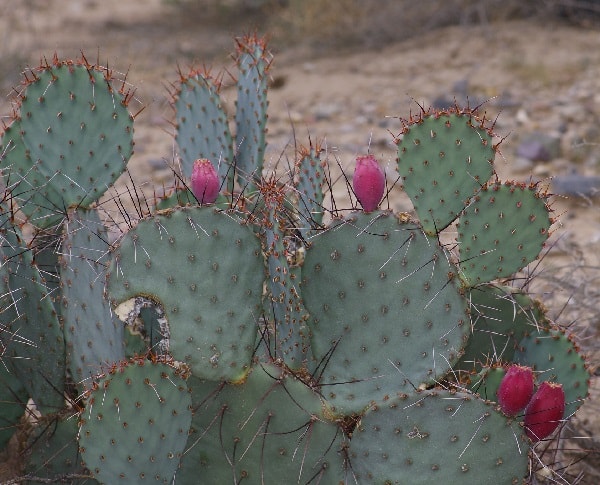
(545, 411)
(368, 182)
(515, 390)
(205, 181)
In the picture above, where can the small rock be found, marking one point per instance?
(522, 117)
(158, 163)
(539, 147)
(576, 185)
(326, 111)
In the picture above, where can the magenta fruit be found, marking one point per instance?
(368, 182)
(205, 181)
(515, 390)
(545, 411)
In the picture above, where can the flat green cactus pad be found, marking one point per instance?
(386, 313)
(502, 230)
(556, 358)
(92, 332)
(268, 429)
(207, 271)
(77, 130)
(31, 337)
(253, 62)
(500, 317)
(444, 159)
(202, 126)
(136, 423)
(438, 436)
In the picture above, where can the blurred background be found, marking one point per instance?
(347, 72)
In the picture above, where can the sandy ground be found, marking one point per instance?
(535, 77)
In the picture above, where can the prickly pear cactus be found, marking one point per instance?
(261, 335)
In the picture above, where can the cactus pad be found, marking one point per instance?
(556, 358)
(502, 230)
(211, 296)
(77, 129)
(202, 126)
(136, 423)
(268, 429)
(501, 316)
(444, 159)
(384, 314)
(438, 436)
(310, 181)
(93, 333)
(253, 62)
(31, 337)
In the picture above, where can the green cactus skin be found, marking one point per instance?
(310, 180)
(438, 435)
(207, 271)
(502, 230)
(202, 126)
(54, 452)
(13, 400)
(37, 197)
(556, 358)
(486, 383)
(92, 332)
(501, 316)
(77, 130)
(375, 342)
(253, 62)
(268, 429)
(32, 339)
(136, 422)
(444, 158)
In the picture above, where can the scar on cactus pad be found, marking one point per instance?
(368, 182)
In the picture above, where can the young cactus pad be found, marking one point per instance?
(501, 231)
(253, 61)
(444, 158)
(92, 332)
(202, 127)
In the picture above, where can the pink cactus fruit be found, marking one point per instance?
(545, 411)
(205, 181)
(515, 390)
(368, 182)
